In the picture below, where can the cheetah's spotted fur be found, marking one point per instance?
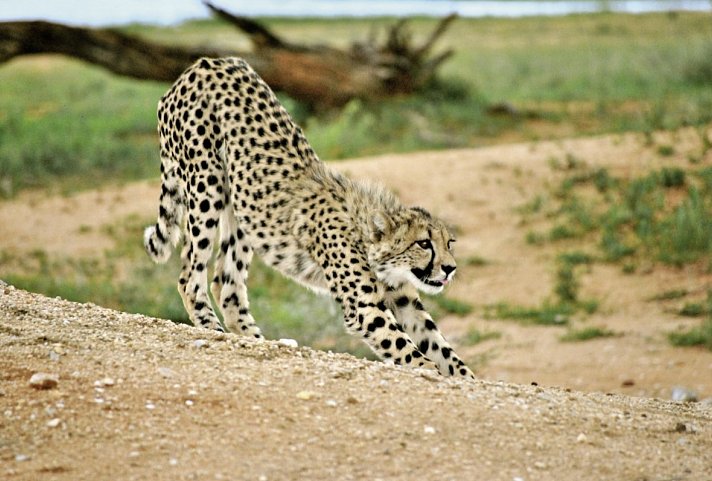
(233, 160)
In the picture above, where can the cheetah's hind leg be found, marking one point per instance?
(204, 207)
(229, 286)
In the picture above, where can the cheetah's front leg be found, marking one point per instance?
(380, 330)
(366, 315)
(421, 328)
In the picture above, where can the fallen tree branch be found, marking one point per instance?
(322, 77)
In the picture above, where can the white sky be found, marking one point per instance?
(165, 12)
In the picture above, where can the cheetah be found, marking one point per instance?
(237, 170)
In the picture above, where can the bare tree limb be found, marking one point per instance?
(322, 77)
(442, 27)
(113, 50)
(259, 35)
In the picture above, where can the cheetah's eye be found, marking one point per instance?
(424, 244)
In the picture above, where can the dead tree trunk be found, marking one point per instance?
(322, 77)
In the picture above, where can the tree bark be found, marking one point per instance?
(322, 77)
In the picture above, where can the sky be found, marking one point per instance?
(167, 12)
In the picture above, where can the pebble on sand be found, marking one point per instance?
(43, 380)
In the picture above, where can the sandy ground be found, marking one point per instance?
(140, 398)
(234, 410)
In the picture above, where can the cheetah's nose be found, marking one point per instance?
(448, 270)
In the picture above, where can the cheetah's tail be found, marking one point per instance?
(160, 238)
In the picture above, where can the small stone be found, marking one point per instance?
(289, 343)
(150, 405)
(351, 400)
(166, 372)
(306, 395)
(682, 394)
(53, 356)
(173, 462)
(540, 465)
(189, 402)
(428, 429)
(43, 380)
(200, 343)
(53, 423)
(105, 382)
(430, 375)
(331, 403)
(581, 438)
(21, 458)
(628, 383)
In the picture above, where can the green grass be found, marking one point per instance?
(475, 336)
(586, 334)
(693, 309)
(566, 301)
(75, 125)
(662, 216)
(700, 335)
(447, 305)
(544, 315)
(669, 295)
(697, 336)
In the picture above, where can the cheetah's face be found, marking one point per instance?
(412, 246)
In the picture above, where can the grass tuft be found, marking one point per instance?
(586, 334)
(697, 336)
(475, 336)
(446, 305)
(546, 315)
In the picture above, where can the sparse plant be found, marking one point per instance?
(567, 286)
(575, 258)
(671, 177)
(475, 261)
(475, 336)
(666, 150)
(586, 334)
(670, 295)
(692, 309)
(565, 292)
(452, 306)
(637, 217)
(545, 315)
(697, 336)
(534, 206)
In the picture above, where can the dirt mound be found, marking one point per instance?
(142, 398)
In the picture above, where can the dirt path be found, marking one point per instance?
(140, 398)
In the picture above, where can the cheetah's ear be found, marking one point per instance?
(380, 225)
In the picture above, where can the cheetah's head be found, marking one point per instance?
(411, 246)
